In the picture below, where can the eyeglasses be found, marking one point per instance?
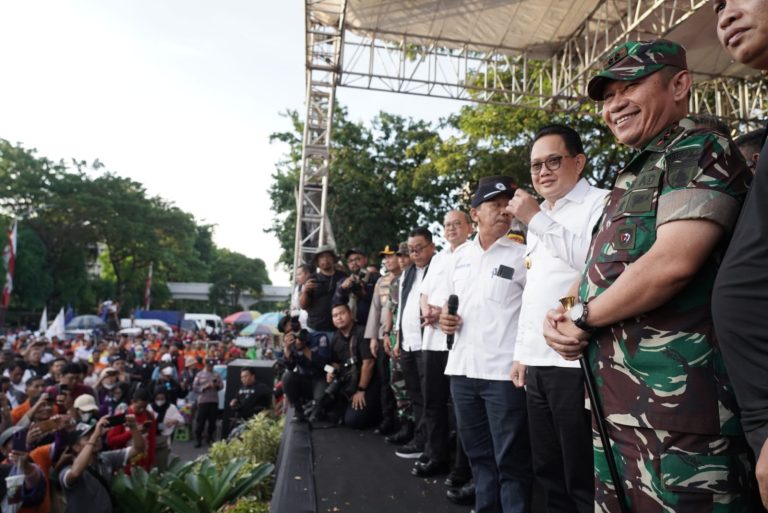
(552, 163)
(417, 249)
(454, 224)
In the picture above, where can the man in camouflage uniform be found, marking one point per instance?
(378, 327)
(643, 306)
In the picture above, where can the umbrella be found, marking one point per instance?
(245, 317)
(86, 322)
(258, 329)
(269, 318)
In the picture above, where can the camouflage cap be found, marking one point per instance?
(636, 59)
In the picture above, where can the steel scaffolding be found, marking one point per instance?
(382, 58)
(324, 38)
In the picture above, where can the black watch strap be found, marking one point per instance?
(581, 322)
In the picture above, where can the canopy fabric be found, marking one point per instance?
(537, 27)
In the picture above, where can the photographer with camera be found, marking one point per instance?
(304, 356)
(357, 289)
(351, 379)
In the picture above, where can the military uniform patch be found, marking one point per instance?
(683, 166)
(625, 237)
(640, 201)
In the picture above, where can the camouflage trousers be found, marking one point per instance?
(397, 382)
(668, 472)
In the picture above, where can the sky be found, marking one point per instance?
(180, 96)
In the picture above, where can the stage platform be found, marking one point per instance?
(338, 470)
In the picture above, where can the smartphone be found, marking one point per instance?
(115, 420)
(47, 425)
(329, 369)
(20, 442)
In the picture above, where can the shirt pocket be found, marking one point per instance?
(499, 290)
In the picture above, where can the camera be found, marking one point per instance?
(301, 334)
(341, 377)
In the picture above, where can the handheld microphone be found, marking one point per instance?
(453, 307)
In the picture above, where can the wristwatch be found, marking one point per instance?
(361, 389)
(579, 313)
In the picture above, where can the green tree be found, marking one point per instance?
(232, 275)
(379, 189)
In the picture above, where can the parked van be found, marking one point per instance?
(210, 323)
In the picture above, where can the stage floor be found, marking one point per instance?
(357, 472)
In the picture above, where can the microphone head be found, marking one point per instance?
(453, 301)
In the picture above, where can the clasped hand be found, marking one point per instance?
(563, 336)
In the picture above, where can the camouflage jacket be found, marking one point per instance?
(663, 369)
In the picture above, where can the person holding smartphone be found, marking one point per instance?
(206, 385)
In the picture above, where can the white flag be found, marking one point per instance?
(57, 328)
(43, 322)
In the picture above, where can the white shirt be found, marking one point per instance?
(410, 334)
(83, 354)
(558, 242)
(489, 285)
(434, 339)
(296, 309)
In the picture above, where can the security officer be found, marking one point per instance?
(643, 302)
(304, 356)
(379, 327)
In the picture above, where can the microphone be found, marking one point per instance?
(453, 307)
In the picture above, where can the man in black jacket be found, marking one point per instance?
(741, 290)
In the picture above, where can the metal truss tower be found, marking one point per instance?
(324, 39)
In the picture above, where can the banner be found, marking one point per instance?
(43, 322)
(57, 328)
(9, 258)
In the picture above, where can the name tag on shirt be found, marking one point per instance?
(505, 272)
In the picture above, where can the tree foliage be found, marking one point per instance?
(232, 275)
(73, 216)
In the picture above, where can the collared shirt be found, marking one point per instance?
(489, 284)
(558, 241)
(410, 336)
(433, 339)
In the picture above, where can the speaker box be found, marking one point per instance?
(264, 374)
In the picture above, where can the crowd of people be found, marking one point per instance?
(75, 411)
(497, 336)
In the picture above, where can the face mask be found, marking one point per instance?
(110, 386)
(85, 417)
(159, 403)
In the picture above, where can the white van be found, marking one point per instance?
(211, 323)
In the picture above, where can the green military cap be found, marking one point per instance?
(636, 59)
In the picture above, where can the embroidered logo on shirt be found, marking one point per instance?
(625, 237)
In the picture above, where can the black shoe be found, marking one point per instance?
(464, 496)
(429, 469)
(410, 450)
(198, 444)
(456, 480)
(403, 436)
(387, 427)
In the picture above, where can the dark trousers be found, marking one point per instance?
(412, 365)
(300, 388)
(369, 415)
(437, 394)
(493, 427)
(387, 396)
(561, 438)
(206, 412)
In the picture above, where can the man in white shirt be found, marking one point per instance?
(559, 234)
(488, 276)
(434, 352)
(408, 347)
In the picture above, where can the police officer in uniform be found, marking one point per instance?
(643, 303)
(378, 327)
